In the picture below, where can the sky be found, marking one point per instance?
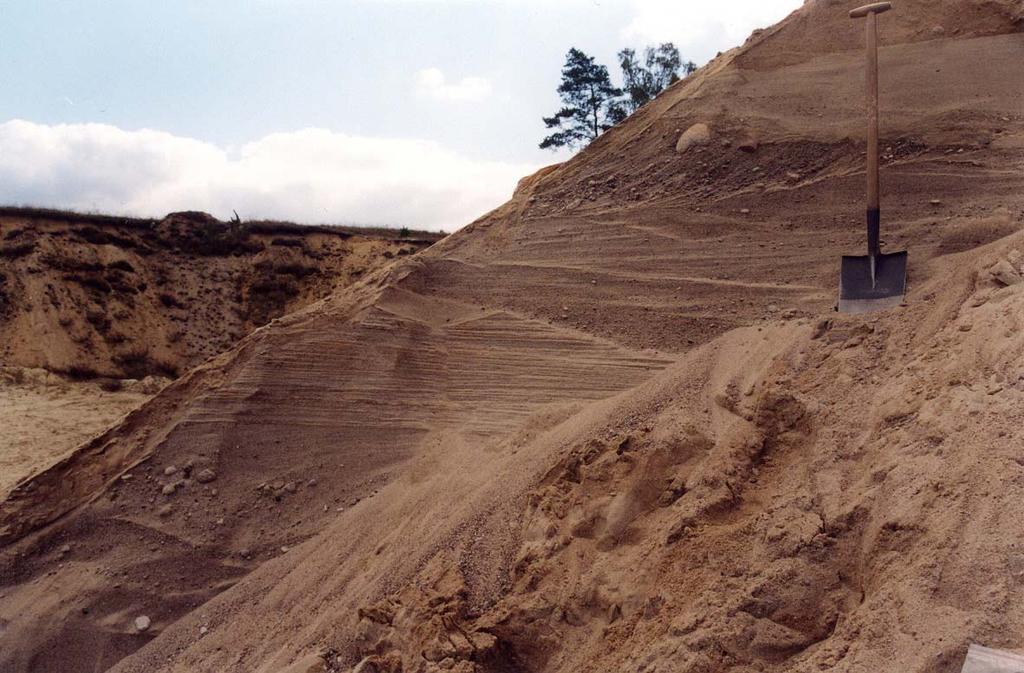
(419, 113)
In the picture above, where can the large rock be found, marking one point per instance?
(698, 134)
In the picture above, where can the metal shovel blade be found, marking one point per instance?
(859, 292)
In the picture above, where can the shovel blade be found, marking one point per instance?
(857, 292)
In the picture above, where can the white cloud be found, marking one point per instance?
(310, 175)
(432, 83)
(708, 25)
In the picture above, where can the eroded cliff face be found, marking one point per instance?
(615, 424)
(97, 296)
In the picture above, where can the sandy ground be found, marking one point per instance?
(44, 418)
(613, 425)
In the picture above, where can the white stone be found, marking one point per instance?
(698, 134)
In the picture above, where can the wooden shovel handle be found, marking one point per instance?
(876, 8)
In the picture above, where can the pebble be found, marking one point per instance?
(141, 623)
(169, 489)
(936, 202)
(170, 469)
(744, 211)
(206, 475)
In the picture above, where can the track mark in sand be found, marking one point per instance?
(655, 231)
(502, 368)
(700, 280)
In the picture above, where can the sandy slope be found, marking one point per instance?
(98, 299)
(608, 426)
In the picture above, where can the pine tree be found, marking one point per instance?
(590, 103)
(644, 81)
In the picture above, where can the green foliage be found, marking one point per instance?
(590, 104)
(404, 232)
(660, 69)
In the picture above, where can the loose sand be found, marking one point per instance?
(613, 425)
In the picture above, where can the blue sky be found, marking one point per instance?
(414, 112)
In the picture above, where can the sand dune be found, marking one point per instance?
(614, 424)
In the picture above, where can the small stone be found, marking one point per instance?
(312, 482)
(142, 623)
(203, 630)
(169, 489)
(66, 549)
(936, 202)
(744, 211)
(164, 511)
(245, 553)
(793, 175)
(749, 144)
(169, 470)
(206, 475)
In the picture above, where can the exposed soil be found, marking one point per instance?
(97, 296)
(612, 425)
(90, 305)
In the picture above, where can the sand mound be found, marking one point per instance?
(613, 425)
(789, 497)
(97, 312)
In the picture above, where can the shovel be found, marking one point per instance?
(874, 281)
